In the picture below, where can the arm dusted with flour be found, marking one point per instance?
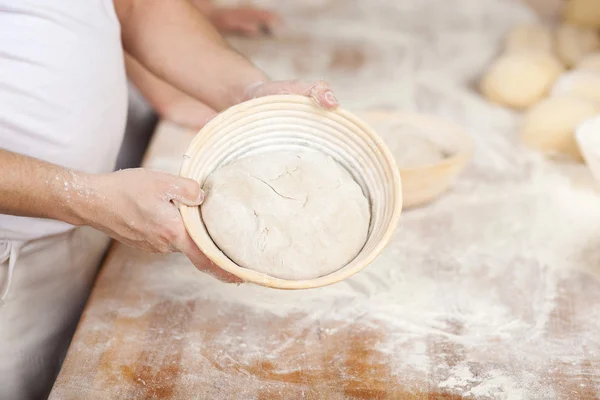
(133, 206)
(33, 188)
(173, 42)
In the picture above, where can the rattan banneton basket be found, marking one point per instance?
(425, 183)
(288, 123)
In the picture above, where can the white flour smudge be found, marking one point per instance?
(488, 292)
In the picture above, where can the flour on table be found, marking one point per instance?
(491, 292)
(292, 215)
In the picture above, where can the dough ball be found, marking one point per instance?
(289, 215)
(579, 83)
(411, 149)
(585, 13)
(529, 37)
(520, 79)
(550, 125)
(590, 62)
(573, 43)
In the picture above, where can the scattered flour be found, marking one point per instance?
(489, 293)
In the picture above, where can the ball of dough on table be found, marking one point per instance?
(529, 37)
(590, 62)
(584, 13)
(520, 79)
(412, 149)
(291, 215)
(550, 125)
(573, 43)
(579, 83)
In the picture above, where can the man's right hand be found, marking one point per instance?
(138, 207)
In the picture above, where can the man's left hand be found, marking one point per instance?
(319, 91)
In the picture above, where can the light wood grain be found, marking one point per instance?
(139, 342)
(155, 328)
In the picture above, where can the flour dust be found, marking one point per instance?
(489, 292)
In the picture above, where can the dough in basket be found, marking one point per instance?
(292, 215)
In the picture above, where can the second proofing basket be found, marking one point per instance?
(288, 123)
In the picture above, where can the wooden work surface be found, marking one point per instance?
(492, 292)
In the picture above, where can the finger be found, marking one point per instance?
(185, 191)
(319, 91)
(189, 248)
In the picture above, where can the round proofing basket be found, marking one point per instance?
(288, 123)
(423, 184)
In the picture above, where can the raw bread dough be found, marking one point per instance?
(529, 37)
(585, 13)
(520, 79)
(550, 125)
(590, 62)
(573, 43)
(412, 149)
(290, 215)
(579, 83)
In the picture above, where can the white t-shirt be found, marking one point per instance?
(63, 91)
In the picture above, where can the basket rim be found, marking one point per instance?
(465, 152)
(287, 102)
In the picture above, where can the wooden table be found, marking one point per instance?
(492, 292)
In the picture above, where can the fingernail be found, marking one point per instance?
(200, 197)
(330, 97)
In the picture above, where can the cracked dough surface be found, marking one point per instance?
(291, 215)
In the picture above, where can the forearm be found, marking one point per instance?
(34, 188)
(205, 6)
(168, 101)
(178, 44)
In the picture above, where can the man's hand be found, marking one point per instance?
(319, 91)
(177, 44)
(188, 54)
(138, 207)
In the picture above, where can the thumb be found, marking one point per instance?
(186, 191)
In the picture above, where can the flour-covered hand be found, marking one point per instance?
(138, 208)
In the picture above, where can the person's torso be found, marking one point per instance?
(63, 93)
